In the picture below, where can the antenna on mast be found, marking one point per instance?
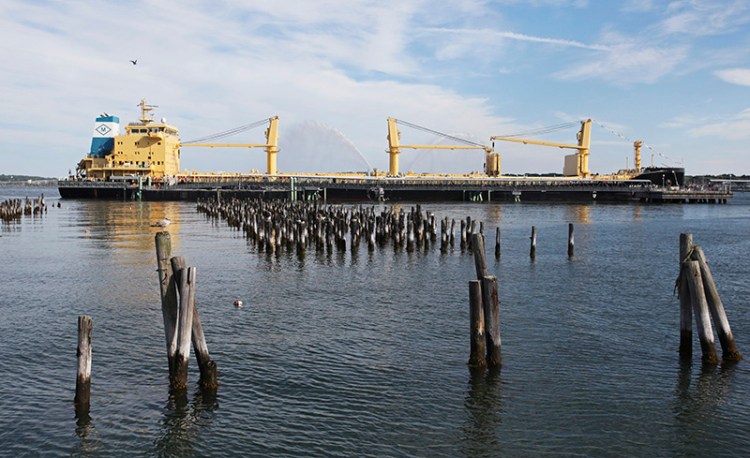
(145, 108)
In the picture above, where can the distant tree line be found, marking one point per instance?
(17, 178)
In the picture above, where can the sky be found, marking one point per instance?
(674, 74)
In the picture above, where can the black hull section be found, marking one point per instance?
(663, 176)
(572, 192)
(175, 193)
(93, 192)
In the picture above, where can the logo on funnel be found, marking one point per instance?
(103, 129)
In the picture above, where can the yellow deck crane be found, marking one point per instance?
(581, 166)
(271, 145)
(394, 146)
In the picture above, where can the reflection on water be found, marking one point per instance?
(493, 213)
(696, 400)
(127, 226)
(637, 212)
(182, 422)
(578, 213)
(483, 412)
(86, 431)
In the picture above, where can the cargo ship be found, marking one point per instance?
(143, 163)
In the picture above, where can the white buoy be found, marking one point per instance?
(237, 303)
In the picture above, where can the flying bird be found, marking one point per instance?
(134, 61)
(161, 223)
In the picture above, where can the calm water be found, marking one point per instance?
(364, 354)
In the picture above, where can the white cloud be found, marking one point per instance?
(626, 61)
(638, 6)
(739, 76)
(734, 127)
(486, 35)
(706, 17)
(736, 130)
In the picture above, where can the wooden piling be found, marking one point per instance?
(168, 291)
(497, 243)
(491, 308)
(571, 242)
(83, 375)
(480, 257)
(729, 350)
(463, 234)
(702, 315)
(444, 235)
(686, 308)
(206, 366)
(478, 346)
(532, 250)
(186, 278)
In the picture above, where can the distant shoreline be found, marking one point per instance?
(30, 183)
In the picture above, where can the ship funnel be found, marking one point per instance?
(106, 128)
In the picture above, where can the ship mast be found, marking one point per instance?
(145, 116)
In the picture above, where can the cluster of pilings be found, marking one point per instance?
(182, 324)
(275, 226)
(700, 297)
(182, 329)
(484, 313)
(13, 209)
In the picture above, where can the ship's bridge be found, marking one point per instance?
(140, 128)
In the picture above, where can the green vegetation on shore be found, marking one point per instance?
(23, 178)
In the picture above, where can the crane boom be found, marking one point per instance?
(228, 145)
(394, 146)
(583, 147)
(537, 142)
(271, 145)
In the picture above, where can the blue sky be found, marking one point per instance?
(675, 74)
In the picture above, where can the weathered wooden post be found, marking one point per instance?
(83, 376)
(410, 236)
(497, 243)
(532, 250)
(478, 349)
(207, 366)
(480, 258)
(490, 304)
(444, 235)
(168, 291)
(702, 316)
(571, 243)
(463, 234)
(491, 308)
(729, 350)
(686, 307)
(186, 278)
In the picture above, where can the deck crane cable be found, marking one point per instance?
(543, 130)
(435, 132)
(617, 134)
(228, 133)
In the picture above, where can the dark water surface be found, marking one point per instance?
(364, 354)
